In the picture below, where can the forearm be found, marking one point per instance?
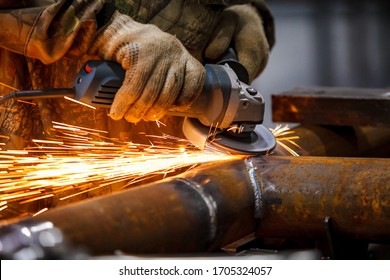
(262, 8)
(268, 20)
(45, 31)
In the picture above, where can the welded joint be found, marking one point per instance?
(259, 206)
(209, 202)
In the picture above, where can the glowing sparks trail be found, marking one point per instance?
(285, 134)
(79, 102)
(81, 160)
(8, 86)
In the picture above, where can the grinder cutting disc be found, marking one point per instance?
(260, 141)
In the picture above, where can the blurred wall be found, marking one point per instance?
(327, 43)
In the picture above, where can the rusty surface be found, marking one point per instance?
(333, 106)
(299, 193)
(200, 211)
(216, 204)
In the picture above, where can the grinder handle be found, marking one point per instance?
(230, 58)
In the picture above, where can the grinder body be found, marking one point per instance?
(226, 103)
(224, 100)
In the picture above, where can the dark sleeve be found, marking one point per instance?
(268, 20)
(47, 31)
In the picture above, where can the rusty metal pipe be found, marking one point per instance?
(300, 192)
(195, 212)
(213, 205)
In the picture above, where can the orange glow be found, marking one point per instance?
(284, 135)
(8, 86)
(79, 102)
(80, 160)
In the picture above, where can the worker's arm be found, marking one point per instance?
(247, 26)
(46, 31)
(160, 73)
(262, 9)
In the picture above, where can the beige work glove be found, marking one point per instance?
(160, 73)
(241, 26)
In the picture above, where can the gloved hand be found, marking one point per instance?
(160, 73)
(241, 26)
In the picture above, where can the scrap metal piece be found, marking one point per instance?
(333, 106)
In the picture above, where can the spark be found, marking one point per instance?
(26, 102)
(8, 86)
(285, 134)
(79, 102)
(47, 141)
(40, 211)
(159, 123)
(78, 162)
(3, 205)
(77, 128)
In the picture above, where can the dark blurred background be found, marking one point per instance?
(327, 43)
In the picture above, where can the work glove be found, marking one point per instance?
(160, 73)
(241, 27)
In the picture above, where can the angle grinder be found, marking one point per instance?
(228, 113)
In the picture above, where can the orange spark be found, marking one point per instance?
(40, 211)
(77, 161)
(8, 86)
(285, 134)
(79, 102)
